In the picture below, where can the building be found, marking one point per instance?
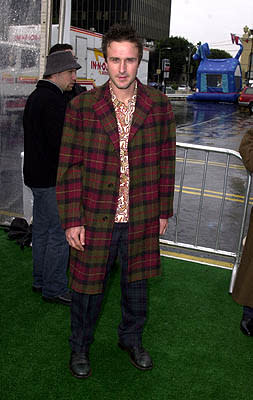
(151, 18)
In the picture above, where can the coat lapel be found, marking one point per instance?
(142, 109)
(106, 114)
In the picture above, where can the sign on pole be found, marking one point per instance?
(166, 68)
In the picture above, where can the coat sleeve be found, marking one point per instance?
(69, 177)
(168, 154)
(246, 150)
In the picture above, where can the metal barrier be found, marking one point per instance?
(236, 253)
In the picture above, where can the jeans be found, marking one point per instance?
(85, 308)
(50, 248)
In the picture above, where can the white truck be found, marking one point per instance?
(19, 63)
(87, 47)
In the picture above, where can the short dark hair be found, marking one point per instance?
(120, 33)
(60, 47)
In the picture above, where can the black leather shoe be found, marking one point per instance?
(80, 365)
(65, 299)
(36, 289)
(139, 357)
(247, 326)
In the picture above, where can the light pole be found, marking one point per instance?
(158, 71)
(189, 65)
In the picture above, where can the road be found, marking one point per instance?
(211, 124)
(216, 125)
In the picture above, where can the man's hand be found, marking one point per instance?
(76, 237)
(163, 226)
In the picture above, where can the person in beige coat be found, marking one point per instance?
(243, 288)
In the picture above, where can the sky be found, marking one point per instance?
(211, 21)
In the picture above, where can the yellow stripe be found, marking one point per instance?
(211, 193)
(11, 214)
(213, 163)
(202, 260)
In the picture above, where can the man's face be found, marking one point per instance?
(66, 79)
(122, 64)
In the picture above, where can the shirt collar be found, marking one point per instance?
(49, 80)
(117, 102)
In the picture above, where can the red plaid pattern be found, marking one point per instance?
(88, 181)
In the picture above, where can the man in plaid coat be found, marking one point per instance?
(115, 191)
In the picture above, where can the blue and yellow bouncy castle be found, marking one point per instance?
(217, 79)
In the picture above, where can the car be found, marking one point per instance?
(169, 89)
(183, 88)
(153, 84)
(246, 98)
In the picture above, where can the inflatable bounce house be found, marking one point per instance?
(217, 79)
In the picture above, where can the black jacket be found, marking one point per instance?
(43, 122)
(76, 90)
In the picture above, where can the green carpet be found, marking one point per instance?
(192, 333)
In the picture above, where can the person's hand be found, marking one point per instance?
(76, 237)
(163, 226)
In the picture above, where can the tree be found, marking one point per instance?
(218, 54)
(180, 56)
(180, 50)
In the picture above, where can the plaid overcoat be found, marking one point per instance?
(89, 177)
(243, 288)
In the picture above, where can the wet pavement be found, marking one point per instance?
(211, 124)
(217, 125)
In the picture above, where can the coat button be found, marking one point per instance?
(105, 218)
(110, 185)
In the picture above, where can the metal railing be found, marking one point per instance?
(217, 249)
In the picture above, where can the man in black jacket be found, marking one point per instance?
(43, 121)
(77, 89)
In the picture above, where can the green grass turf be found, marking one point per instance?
(192, 334)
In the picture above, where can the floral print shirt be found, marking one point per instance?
(124, 115)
